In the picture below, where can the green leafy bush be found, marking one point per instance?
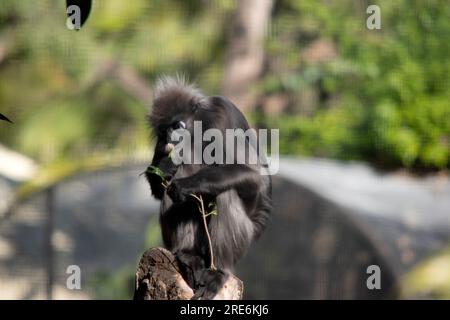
(388, 97)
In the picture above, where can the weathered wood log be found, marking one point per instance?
(158, 277)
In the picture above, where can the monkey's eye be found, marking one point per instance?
(178, 125)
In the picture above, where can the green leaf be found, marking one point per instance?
(157, 171)
(212, 209)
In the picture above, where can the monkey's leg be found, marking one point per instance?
(191, 266)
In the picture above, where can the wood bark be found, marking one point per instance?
(158, 277)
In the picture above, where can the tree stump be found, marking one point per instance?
(158, 277)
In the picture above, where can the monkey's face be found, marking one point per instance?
(178, 126)
(175, 109)
(175, 127)
(178, 134)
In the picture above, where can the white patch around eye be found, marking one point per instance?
(182, 124)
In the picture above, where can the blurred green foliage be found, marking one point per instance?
(387, 91)
(48, 73)
(383, 97)
(428, 280)
(118, 285)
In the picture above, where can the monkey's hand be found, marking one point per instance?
(157, 181)
(168, 168)
(179, 190)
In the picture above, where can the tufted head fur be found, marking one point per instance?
(174, 96)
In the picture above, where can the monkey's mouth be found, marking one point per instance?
(169, 148)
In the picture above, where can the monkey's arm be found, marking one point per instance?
(214, 180)
(162, 161)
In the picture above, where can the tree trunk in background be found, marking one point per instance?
(127, 78)
(245, 56)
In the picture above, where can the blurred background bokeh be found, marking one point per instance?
(364, 120)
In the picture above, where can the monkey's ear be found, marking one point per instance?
(85, 9)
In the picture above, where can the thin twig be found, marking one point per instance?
(205, 224)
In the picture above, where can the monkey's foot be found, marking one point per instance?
(218, 285)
